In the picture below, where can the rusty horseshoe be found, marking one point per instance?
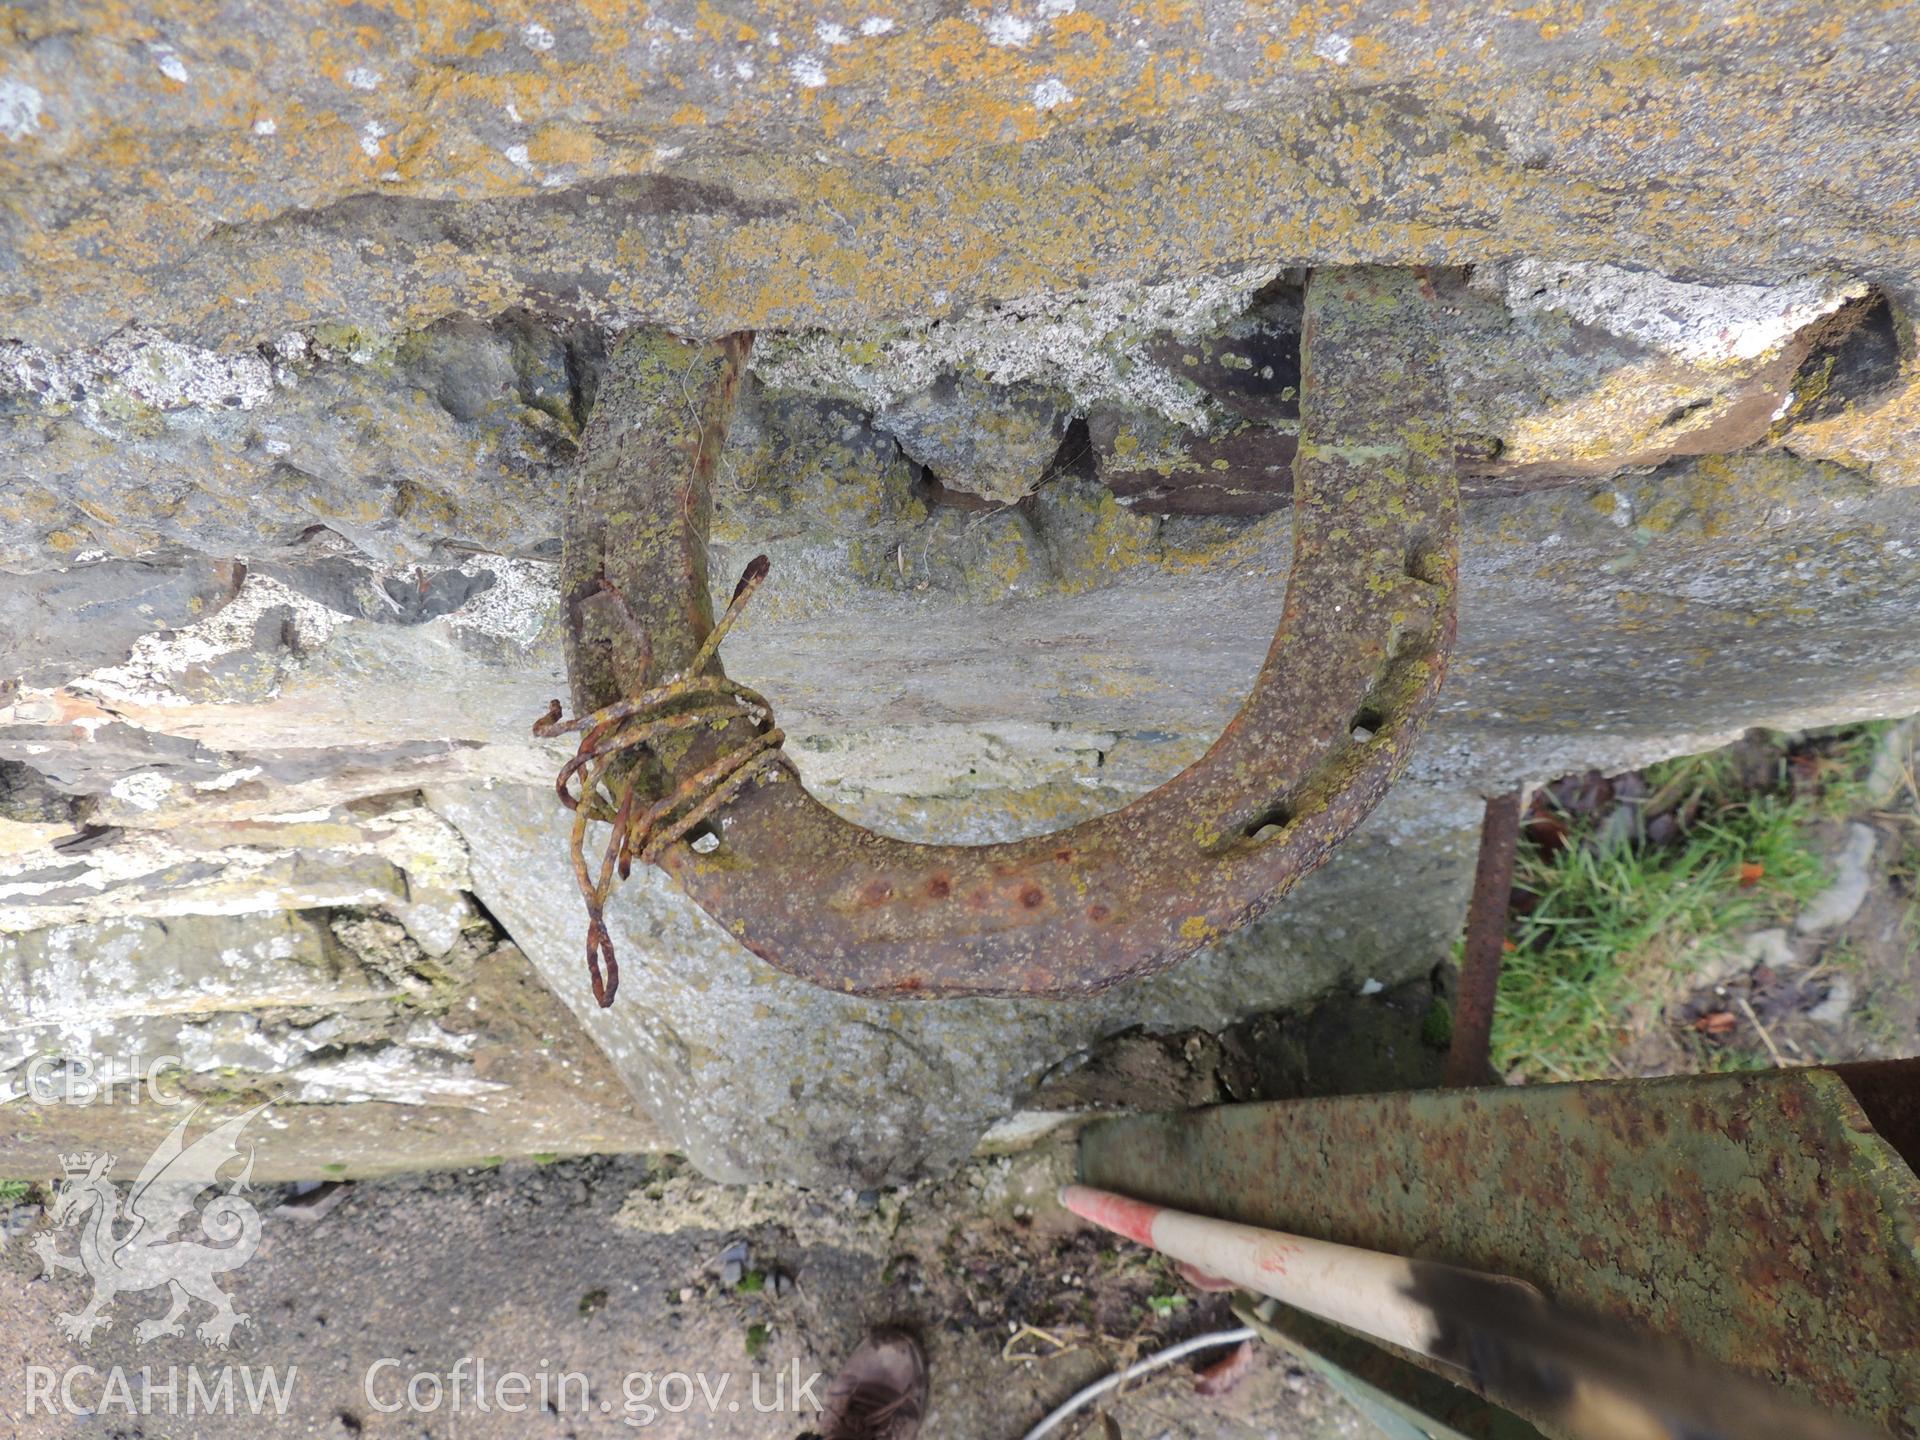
(685, 765)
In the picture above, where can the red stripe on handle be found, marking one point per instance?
(1131, 1218)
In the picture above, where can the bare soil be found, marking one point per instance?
(613, 1268)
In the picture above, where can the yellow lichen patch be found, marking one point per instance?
(1880, 436)
(1372, 129)
(1195, 930)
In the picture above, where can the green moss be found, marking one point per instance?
(357, 343)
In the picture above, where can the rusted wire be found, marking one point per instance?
(610, 777)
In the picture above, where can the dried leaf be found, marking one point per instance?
(1225, 1373)
(1750, 874)
(1716, 1022)
(1546, 831)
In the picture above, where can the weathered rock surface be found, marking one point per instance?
(994, 441)
(378, 1056)
(1728, 591)
(299, 321)
(436, 445)
(754, 1073)
(229, 178)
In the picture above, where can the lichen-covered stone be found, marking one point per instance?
(447, 438)
(1554, 371)
(994, 441)
(229, 177)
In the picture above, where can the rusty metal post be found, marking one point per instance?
(1468, 1054)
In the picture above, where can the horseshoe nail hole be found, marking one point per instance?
(939, 887)
(1269, 823)
(1423, 562)
(1367, 724)
(706, 841)
(1032, 897)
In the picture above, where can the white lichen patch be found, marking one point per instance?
(1050, 94)
(1007, 30)
(1703, 324)
(143, 790)
(1336, 48)
(395, 1074)
(138, 365)
(1087, 343)
(229, 779)
(20, 106)
(149, 673)
(523, 599)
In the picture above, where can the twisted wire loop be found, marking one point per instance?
(610, 779)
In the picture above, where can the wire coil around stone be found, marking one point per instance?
(689, 701)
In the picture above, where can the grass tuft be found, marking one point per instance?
(1618, 928)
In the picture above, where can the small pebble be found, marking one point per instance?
(1833, 1010)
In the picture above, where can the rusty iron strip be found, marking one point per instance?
(1768, 1220)
(1469, 1056)
(1353, 674)
(1583, 1378)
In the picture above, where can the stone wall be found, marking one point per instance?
(298, 329)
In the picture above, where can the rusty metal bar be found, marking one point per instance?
(1759, 1219)
(1469, 1054)
(1537, 1359)
(1352, 676)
